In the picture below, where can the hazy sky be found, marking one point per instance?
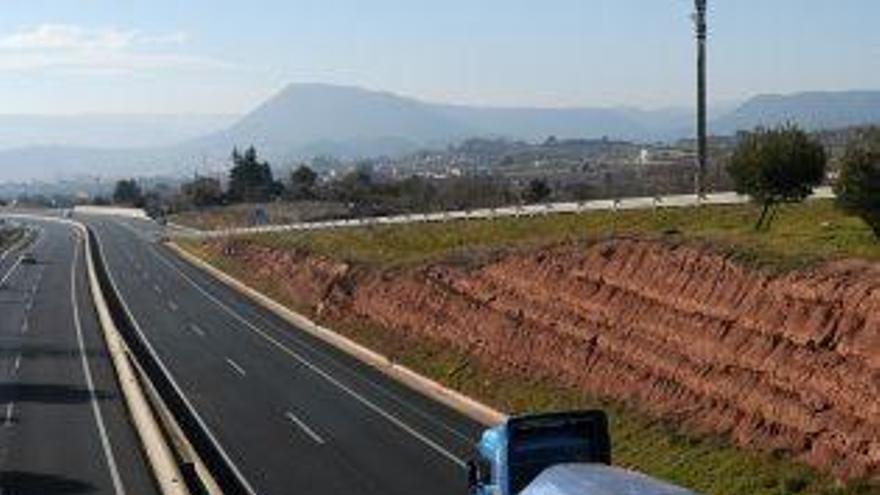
(224, 56)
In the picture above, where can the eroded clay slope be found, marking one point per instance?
(790, 362)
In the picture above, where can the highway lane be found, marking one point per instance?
(63, 425)
(292, 413)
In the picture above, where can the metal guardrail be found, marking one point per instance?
(205, 466)
(635, 203)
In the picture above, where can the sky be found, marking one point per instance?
(225, 56)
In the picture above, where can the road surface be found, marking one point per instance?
(63, 423)
(291, 413)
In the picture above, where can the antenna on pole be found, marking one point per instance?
(700, 24)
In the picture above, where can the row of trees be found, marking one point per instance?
(251, 181)
(785, 164)
(773, 166)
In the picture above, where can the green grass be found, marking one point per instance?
(800, 235)
(9, 236)
(242, 215)
(707, 464)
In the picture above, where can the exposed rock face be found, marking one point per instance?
(789, 362)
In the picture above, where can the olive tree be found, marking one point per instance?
(777, 165)
(858, 184)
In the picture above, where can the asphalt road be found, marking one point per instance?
(63, 424)
(292, 414)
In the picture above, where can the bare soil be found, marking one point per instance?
(780, 362)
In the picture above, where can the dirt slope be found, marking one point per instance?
(788, 363)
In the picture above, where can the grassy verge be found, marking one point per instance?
(9, 236)
(244, 215)
(800, 235)
(707, 464)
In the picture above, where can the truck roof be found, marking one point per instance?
(598, 479)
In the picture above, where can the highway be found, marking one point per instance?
(63, 424)
(289, 412)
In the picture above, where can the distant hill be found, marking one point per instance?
(305, 120)
(308, 119)
(813, 111)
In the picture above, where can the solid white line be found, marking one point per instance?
(304, 427)
(18, 244)
(235, 366)
(323, 374)
(9, 272)
(96, 410)
(18, 260)
(380, 389)
(236, 471)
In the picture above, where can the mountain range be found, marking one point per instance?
(306, 120)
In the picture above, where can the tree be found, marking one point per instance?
(858, 185)
(128, 192)
(302, 183)
(203, 191)
(250, 179)
(537, 191)
(357, 185)
(777, 165)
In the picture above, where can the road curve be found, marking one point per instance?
(291, 413)
(63, 424)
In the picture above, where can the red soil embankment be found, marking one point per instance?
(786, 362)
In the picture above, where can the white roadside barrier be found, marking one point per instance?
(637, 203)
(467, 406)
(117, 211)
(156, 449)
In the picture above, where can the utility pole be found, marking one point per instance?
(700, 21)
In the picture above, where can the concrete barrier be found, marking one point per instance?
(468, 406)
(635, 203)
(118, 211)
(157, 450)
(159, 455)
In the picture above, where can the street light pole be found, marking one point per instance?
(700, 21)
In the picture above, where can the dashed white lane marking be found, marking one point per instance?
(235, 366)
(157, 288)
(24, 325)
(7, 418)
(172, 305)
(196, 330)
(317, 370)
(16, 364)
(304, 427)
(248, 488)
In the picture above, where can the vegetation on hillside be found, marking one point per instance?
(803, 233)
(858, 186)
(777, 165)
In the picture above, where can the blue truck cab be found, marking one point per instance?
(566, 453)
(514, 453)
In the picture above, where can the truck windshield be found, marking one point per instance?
(540, 443)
